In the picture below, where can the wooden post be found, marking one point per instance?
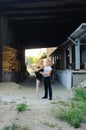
(77, 54)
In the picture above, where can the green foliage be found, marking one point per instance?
(74, 112)
(15, 127)
(24, 128)
(50, 124)
(72, 115)
(7, 128)
(54, 102)
(32, 60)
(21, 107)
(80, 94)
(43, 55)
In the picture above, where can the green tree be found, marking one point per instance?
(31, 59)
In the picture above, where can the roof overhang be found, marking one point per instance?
(78, 34)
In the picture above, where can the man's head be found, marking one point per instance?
(48, 62)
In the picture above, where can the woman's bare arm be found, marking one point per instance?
(41, 67)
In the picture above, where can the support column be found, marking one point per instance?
(4, 29)
(64, 59)
(70, 55)
(0, 62)
(54, 59)
(1, 42)
(77, 55)
(3, 39)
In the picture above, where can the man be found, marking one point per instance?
(47, 80)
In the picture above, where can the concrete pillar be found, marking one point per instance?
(64, 59)
(70, 54)
(4, 29)
(3, 38)
(77, 55)
(0, 62)
(54, 59)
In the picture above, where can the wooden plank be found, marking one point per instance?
(9, 57)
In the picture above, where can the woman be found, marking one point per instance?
(39, 68)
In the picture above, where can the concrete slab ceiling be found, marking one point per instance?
(43, 23)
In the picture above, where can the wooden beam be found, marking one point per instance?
(34, 17)
(43, 11)
(31, 11)
(83, 44)
(22, 5)
(19, 4)
(48, 16)
(35, 0)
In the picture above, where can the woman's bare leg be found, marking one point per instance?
(37, 86)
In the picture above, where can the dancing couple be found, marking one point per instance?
(43, 71)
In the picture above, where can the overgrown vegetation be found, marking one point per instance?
(52, 125)
(14, 127)
(74, 112)
(21, 107)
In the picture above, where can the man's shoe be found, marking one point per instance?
(44, 97)
(50, 98)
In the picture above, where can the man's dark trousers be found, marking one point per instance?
(47, 87)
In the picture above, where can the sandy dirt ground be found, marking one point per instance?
(38, 115)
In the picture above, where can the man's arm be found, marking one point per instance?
(46, 73)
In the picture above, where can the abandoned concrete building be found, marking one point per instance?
(26, 24)
(70, 58)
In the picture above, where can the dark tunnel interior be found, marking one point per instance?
(43, 23)
(28, 24)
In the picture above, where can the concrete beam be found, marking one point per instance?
(78, 33)
(71, 40)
